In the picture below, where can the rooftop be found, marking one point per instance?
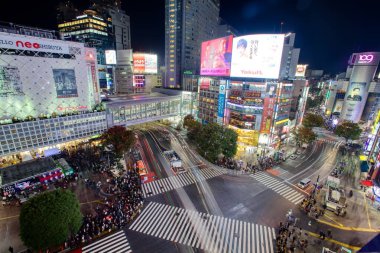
(138, 99)
(18, 172)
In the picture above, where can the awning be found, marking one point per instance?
(367, 183)
(364, 166)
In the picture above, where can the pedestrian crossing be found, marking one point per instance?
(279, 187)
(115, 243)
(180, 180)
(329, 141)
(284, 174)
(204, 231)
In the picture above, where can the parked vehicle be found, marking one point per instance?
(304, 183)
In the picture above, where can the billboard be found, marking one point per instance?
(365, 58)
(301, 70)
(216, 57)
(65, 83)
(257, 56)
(10, 82)
(29, 43)
(354, 101)
(266, 121)
(110, 57)
(144, 63)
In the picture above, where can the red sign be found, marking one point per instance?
(267, 117)
(138, 63)
(205, 83)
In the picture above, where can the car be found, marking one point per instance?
(293, 157)
(304, 183)
(298, 152)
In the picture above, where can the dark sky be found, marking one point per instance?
(328, 31)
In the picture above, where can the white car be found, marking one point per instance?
(293, 157)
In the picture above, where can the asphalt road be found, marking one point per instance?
(226, 213)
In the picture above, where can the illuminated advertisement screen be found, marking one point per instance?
(65, 83)
(257, 56)
(216, 57)
(355, 98)
(301, 70)
(110, 57)
(144, 63)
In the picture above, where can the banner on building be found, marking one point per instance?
(266, 121)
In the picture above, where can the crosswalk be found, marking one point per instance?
(181, 180)
(329, 141)
(279, 187)
(204, 231)
(281, 173)
(115, 243)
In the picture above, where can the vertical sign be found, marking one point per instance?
(221, 103)
(266, 120)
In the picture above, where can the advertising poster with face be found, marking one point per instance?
(257, 56)
(216, 57)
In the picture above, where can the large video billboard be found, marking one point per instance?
(110, 57)
(301, 70)
(257, 56)
(144, 63)
(216, 57)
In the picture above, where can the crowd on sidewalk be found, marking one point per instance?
(289, 238)
(115, 212)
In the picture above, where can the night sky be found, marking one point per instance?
(328, 31)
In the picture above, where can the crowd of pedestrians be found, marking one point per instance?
(311, 208)
(124, 201)
(289, 238)
(264, 163)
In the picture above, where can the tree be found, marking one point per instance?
(119, 138)
(313, 102)
(214, 140)
(209, 141)
(313, 120)
(348, 130)
(229, 143)
(47, 220)
(304, 135)
(193, 127)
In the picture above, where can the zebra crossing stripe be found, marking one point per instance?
(203, 231)
(279, 187)
(179, 181)
(114, 243)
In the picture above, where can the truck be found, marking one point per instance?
(336, 200)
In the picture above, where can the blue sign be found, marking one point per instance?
(221, 103)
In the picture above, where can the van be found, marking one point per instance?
(304, 183)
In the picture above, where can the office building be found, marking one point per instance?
(290, 56)
(362, 68)
(187, 25)
(90, 29)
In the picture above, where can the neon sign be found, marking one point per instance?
(365, 58)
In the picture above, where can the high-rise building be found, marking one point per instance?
(290, 57)
(187, 25)
(90, 29)
(363, 67)
(120, 21)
